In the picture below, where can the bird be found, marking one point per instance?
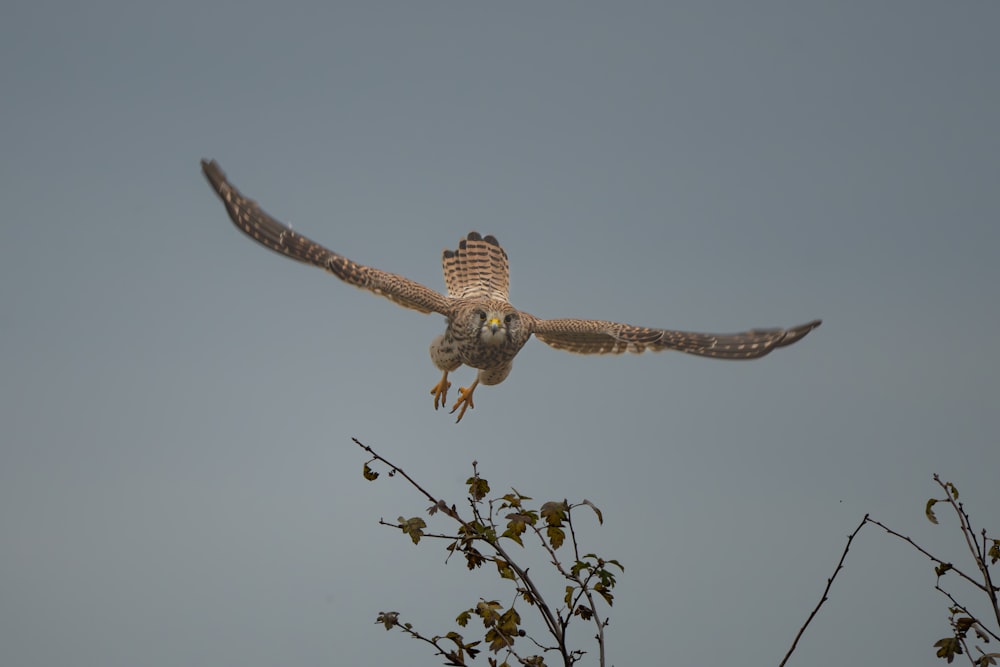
(483, 330)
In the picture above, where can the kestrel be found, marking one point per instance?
(483, 329)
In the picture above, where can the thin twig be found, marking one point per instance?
(394, 622)
(396, 468)
(957, 605)
(928, 554)
(989, 582)
(966, 526)
(584, 586)
(826, 591)
(978, 554)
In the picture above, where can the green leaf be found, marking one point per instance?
(516, 526)
(369, 474)
(487, 610)
(463, 618)
(556, 536)
(513, 536)
(929, 512)
(994, 552)
(503, 567)
(509, 621)
(948, 648)
(952, 489)
(942, 568)
(511, 500)
(607, 578)
(605, 593)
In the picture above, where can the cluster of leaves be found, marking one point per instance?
(985, 552)
(482, 536)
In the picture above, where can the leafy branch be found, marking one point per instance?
(483, 535)
(984, 554)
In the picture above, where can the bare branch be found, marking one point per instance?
(826, 591)
(928, 554)
(397, 469)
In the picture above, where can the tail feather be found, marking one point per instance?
(477, 269)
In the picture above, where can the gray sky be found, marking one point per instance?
(177, 481)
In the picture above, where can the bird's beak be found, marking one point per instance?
(494, 324)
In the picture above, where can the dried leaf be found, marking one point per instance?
(600, 517)
(414, 527)
(478, 487)
(388, 619)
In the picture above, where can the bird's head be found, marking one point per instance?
(497, 323)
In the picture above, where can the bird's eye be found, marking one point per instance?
(507, 319)
(482, 315)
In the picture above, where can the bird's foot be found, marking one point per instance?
(464, 400)
(440, 391)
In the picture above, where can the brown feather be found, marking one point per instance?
(602, 337)
(253, 221)
(478, 269)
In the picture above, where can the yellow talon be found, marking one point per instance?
(440, 391)
(464, 400)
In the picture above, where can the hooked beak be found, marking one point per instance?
(494, 324)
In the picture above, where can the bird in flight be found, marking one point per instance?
(483, 330)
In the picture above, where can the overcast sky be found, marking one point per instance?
(177, 481)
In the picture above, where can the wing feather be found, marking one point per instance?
(602, 337)
(253, 221)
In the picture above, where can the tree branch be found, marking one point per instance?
(826, 591)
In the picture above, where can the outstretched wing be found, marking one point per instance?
(253, 221)
(600, 337)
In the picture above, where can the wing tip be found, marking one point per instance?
(798, 333)
(213, 172)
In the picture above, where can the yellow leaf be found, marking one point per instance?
(554, 512)
(929, 512)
